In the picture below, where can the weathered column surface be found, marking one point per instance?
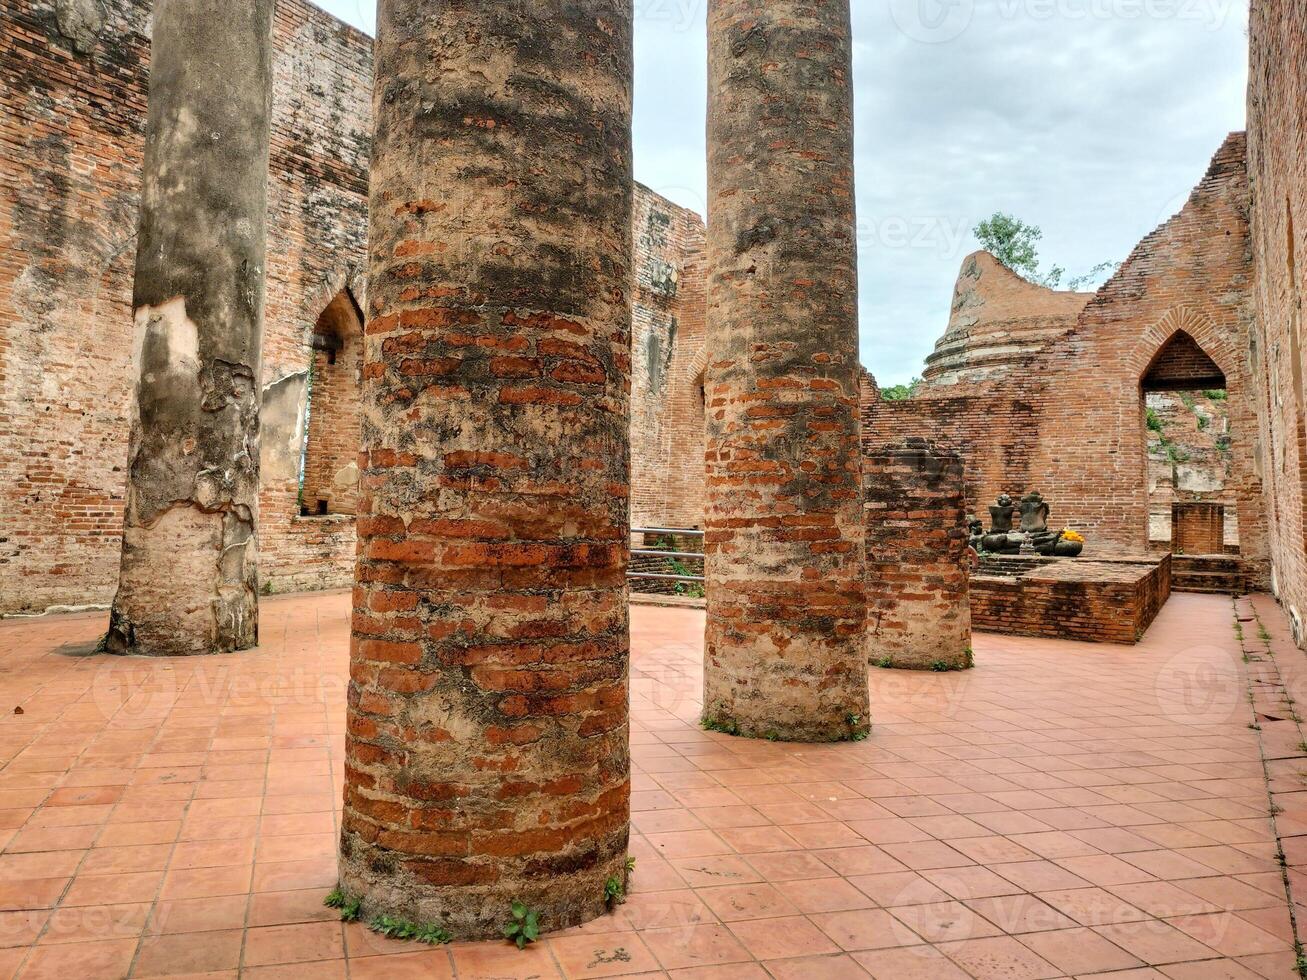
(487, 756)
(918, 601)
(189, 580)
(786, 609)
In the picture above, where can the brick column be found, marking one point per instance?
(487, 757)
(188, 582)
(918, 610)
(784, 650)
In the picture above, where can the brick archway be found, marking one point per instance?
(698, 371)
(329, 474)
(347, 279)
(1183, 352)
(1205, 332)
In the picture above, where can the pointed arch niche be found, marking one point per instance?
(1187, 429)
(329, 474)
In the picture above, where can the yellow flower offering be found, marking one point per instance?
(1070, 535)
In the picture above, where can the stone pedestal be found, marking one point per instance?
(487, 756)
(1197, 528)
(189, 582)
(918, 612)
(784, 655)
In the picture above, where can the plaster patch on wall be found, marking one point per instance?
(282, 425)
(172, 338)
(347, 476)
(80, 21)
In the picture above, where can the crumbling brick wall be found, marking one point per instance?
(1067, 419)
(1277, 155)
(73, 111)
(668, 311)
(71, 125)
(918, 617)
(1089, 601)
(72, 115)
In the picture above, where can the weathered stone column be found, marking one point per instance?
(189, 581)
(487, 756)
(918, 603)
(786, 609)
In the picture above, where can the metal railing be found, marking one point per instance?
(666, 567)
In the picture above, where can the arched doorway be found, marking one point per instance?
(329, 474)
(1189, 446)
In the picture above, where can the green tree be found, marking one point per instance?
(1015, 244)
(1012, 242)
(899, 393)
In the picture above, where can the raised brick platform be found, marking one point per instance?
(1098, 601)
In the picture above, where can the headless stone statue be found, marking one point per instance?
(1034, 513)
(1034, 524)
(1000, 515)
(1001, 539)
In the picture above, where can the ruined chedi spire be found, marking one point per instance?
(487, 757)
(189, 582)
(784, 653)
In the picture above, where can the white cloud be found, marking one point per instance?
(1090, 118)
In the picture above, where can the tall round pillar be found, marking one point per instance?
(188, 583)
(784, 654)
(487, 755)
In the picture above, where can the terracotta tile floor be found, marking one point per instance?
(1064, 810)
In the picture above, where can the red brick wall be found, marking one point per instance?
(1277, 154)
(70, 148)
(667, 420)
(1197, 528)
(70, 151)
(915, 506)
(331, 475)
(1070, 422)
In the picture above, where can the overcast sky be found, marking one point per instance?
(1090, 118)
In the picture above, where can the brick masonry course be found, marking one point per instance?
(1065, 416)
(1277, 155)
(918, 617)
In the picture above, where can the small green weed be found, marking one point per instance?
(394, 928)
(614, 892)
(727, 726)
(524, 927)
(349, 907)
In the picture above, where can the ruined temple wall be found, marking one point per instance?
(1277, 155)
(669, 306)
(72, 113)
(1192, 274)
(1068, 420)
(71, 131)
(994, 432)
(331, 469)
(69, 183)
